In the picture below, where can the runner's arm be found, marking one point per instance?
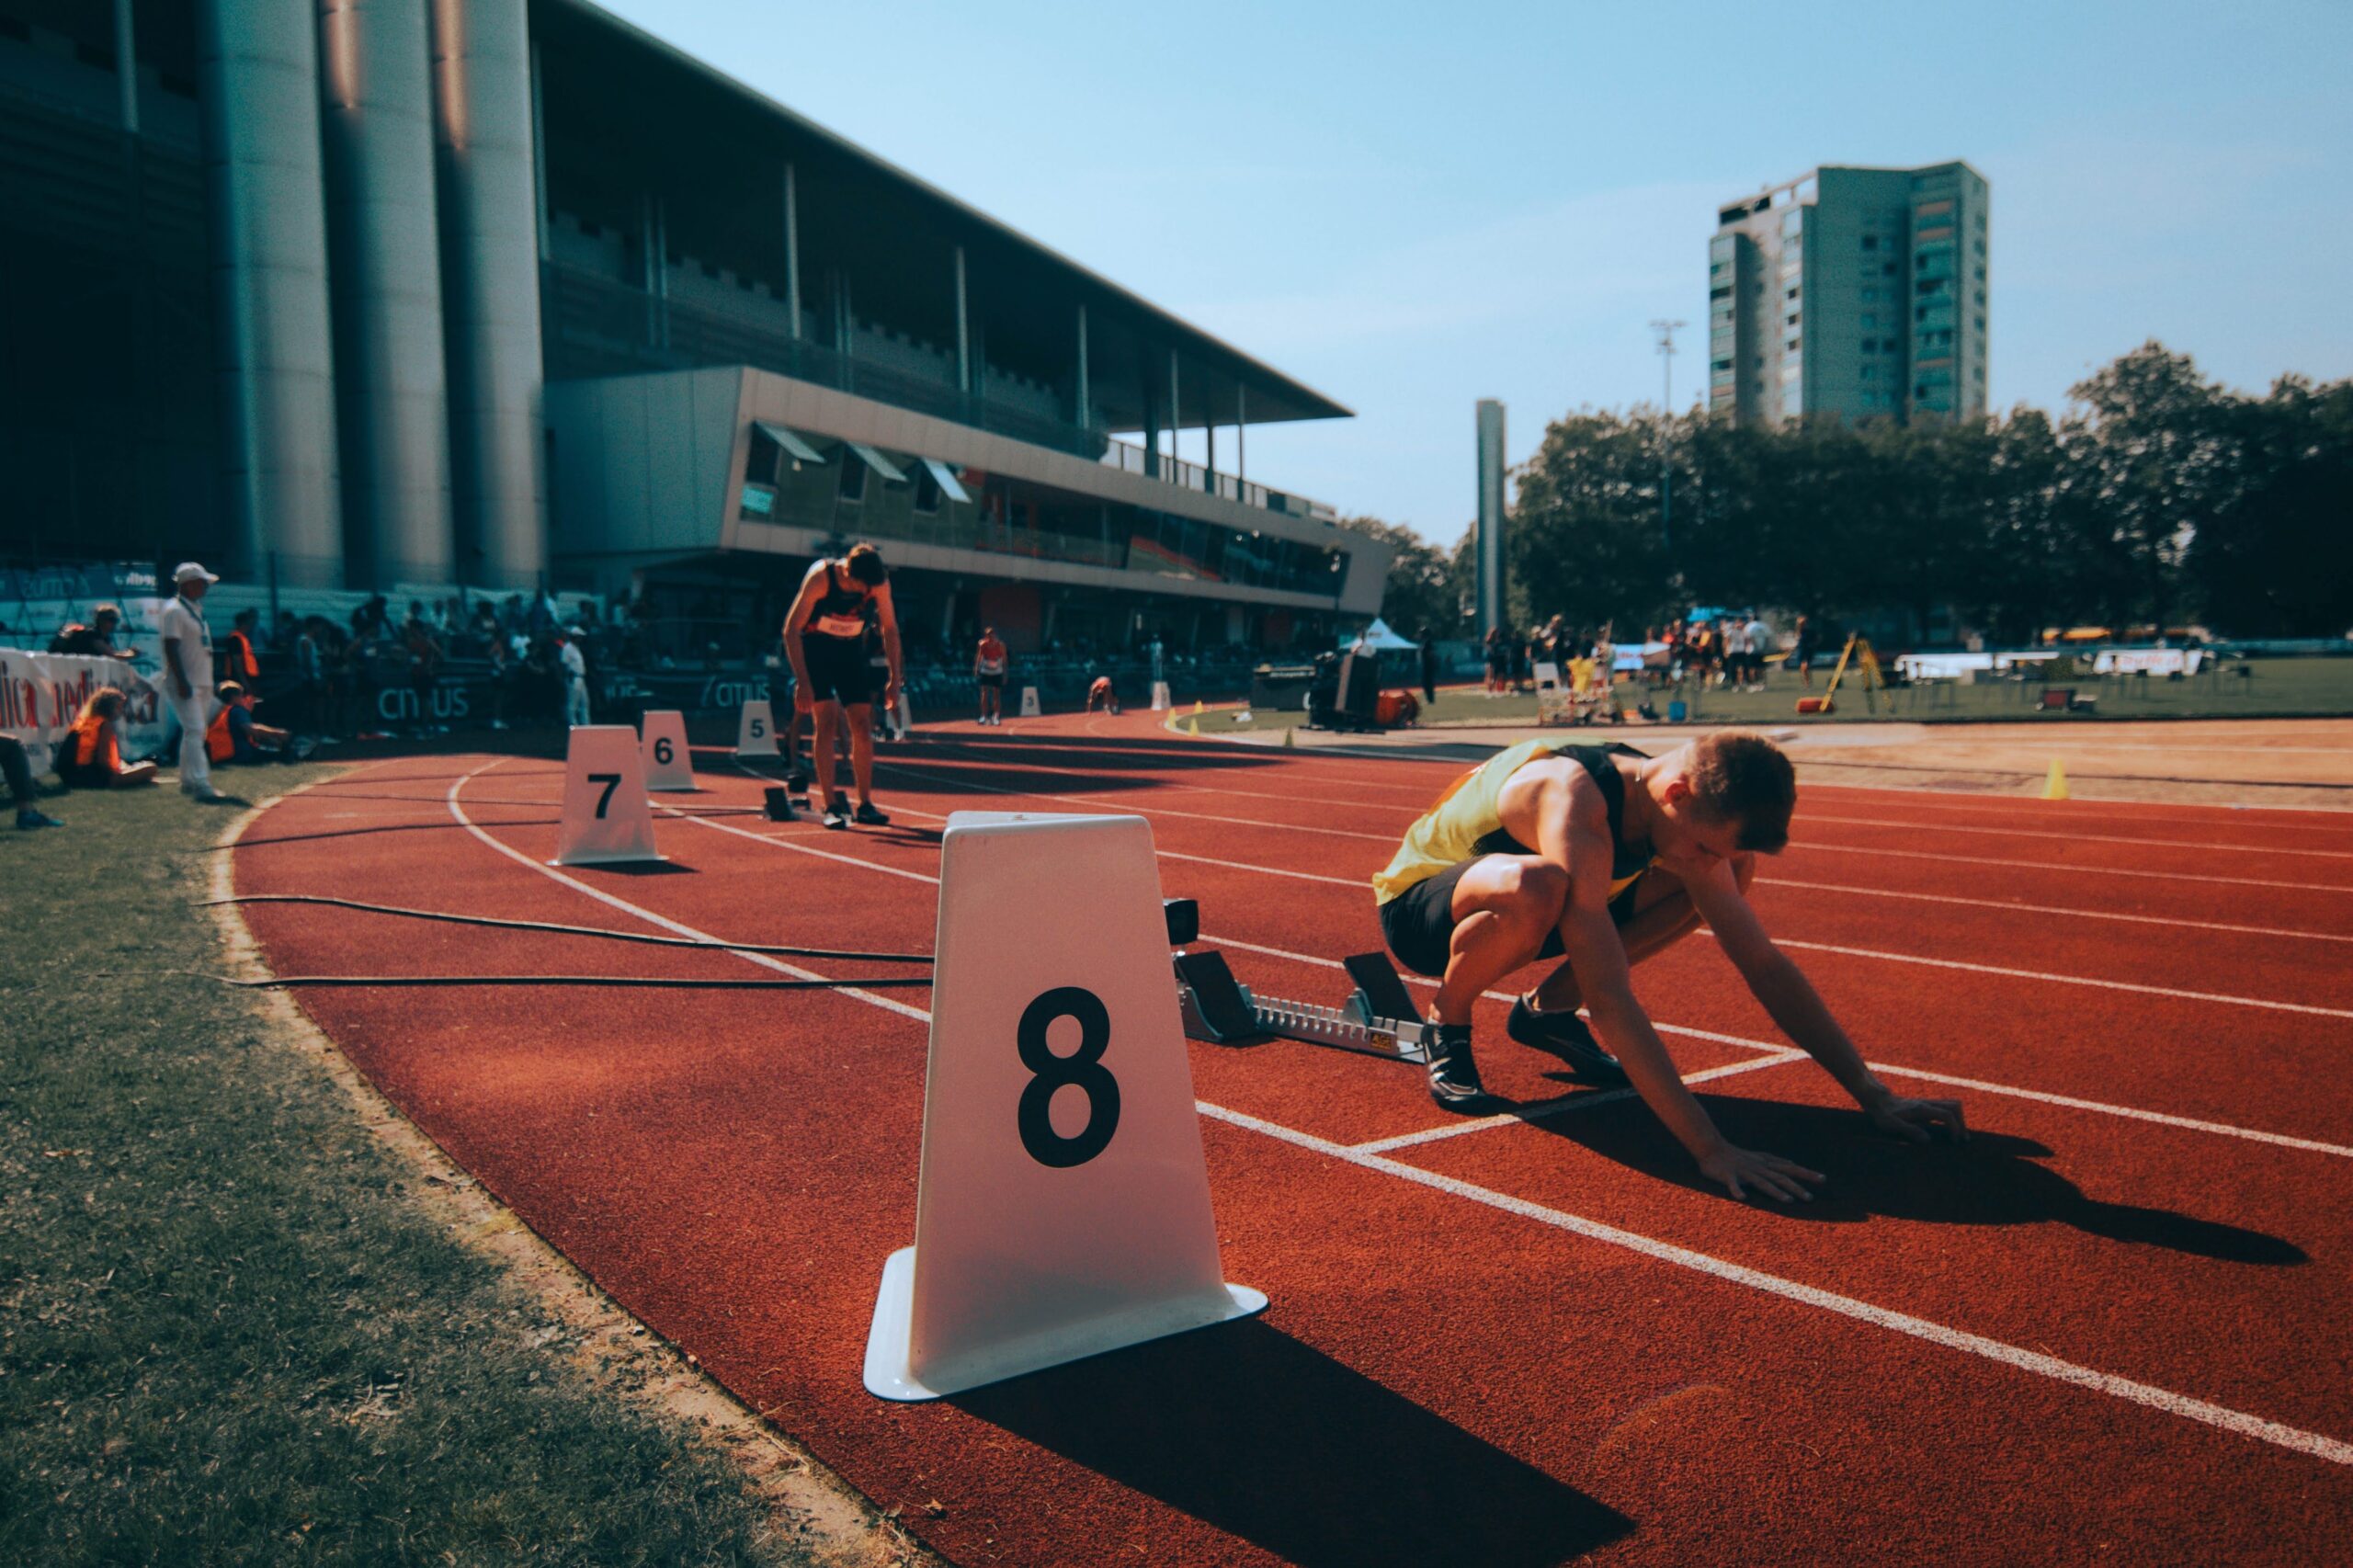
(1774, 980)
(889, 610)
(796, 622)
(1573, 832)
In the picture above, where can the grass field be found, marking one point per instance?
(228, 1333)
(2277, 686)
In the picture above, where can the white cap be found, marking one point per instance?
(187, 569)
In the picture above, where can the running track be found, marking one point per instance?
(2112, 1328)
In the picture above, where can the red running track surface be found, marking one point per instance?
(2110, 1329)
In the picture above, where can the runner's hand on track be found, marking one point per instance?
(1917, 1118)
(1769, 1174)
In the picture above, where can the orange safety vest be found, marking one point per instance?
(94, 745)
(218, 745)
(243, 666)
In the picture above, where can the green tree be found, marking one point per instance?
(2274, 555)
(2154, 462)
(1423, 589)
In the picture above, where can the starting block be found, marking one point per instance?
(1377, 1019)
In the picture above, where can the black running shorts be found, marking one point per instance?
(838, 670)
(1418, 923)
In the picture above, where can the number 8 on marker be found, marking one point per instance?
(1082, 1069)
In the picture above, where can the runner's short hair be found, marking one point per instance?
(1738, 775)
(865, 563)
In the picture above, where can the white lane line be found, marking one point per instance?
(2003, 970)
(2077, 837)
(2295, 1438)
(1814, 947)
(2239, 1422)
(1777, 1050)
(1536, 1111)
(2017, 906)
(2067, 870)
(2237, 816)
(678, 927)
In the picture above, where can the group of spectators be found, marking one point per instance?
(1511, 657)
(1728, 651)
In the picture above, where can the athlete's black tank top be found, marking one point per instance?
(1625, 860)
(840, 612)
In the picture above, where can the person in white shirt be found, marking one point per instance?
(1760, 645)
(188, 674)
(575, 676)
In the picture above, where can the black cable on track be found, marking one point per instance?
(649, 981)
(646, 938)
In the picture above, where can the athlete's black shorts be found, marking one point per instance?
(838, 670)
(995, 681)
(1418, 923)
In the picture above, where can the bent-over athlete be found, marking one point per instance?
(1602, 857)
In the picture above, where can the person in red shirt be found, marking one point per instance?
(988, 673)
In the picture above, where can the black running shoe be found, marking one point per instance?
(837, 811)
(868, 816)
(1564, 1035)
(1454, 1077)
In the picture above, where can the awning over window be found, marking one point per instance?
(945, 477)
(795, 445)
(884, 469)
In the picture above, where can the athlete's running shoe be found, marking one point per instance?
(867, 815)
(837, 811)
(1454, 1076)
(1564, 1034)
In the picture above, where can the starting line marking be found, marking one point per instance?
(2294, 1438)
(2085, 837)
(2077, 871)
(1538, 1110)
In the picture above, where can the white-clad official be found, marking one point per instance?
(188, 674)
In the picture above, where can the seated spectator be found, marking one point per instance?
(91, 758)
(19, 772)
(95, 640)
(236, 736)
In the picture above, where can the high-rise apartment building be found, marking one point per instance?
(1859, 294)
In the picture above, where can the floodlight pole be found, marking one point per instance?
(1666, 330)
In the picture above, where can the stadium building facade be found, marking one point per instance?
(396, 296)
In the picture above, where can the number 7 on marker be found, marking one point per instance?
(611, 781)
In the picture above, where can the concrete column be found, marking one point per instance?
(1176, 417)
(485, 135)
(126, 67)
(1085, 420)
(384, 238)
(1491, 515)
(792, 249)
(267, 225)
(1241, 446)
(963, 331)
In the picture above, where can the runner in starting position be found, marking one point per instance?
(1100, 691)
(1601, 856)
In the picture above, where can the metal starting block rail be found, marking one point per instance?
(1221, 1010)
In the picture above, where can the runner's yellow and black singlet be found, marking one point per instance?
(1466, 821)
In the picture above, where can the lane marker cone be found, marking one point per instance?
(1160, 696)
(756, 731)
(606, 818)
(1290, 739)
(2055, 787)
(1063, 1204)
(1197, 708)
(1029, 709)
(1193, 728)
(669, 767)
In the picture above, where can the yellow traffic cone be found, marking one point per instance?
(1193, 727)
(1290, 739)
(2055, 787)
(1196, 705)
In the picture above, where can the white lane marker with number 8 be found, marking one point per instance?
(1063, 1205)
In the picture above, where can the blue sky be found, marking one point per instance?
(1410, 208)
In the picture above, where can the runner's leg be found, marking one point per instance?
(861, 748)
(1663, 917)
(1505, 906)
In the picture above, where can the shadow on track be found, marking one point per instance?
(1991, 1180)
(1250, 1431)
